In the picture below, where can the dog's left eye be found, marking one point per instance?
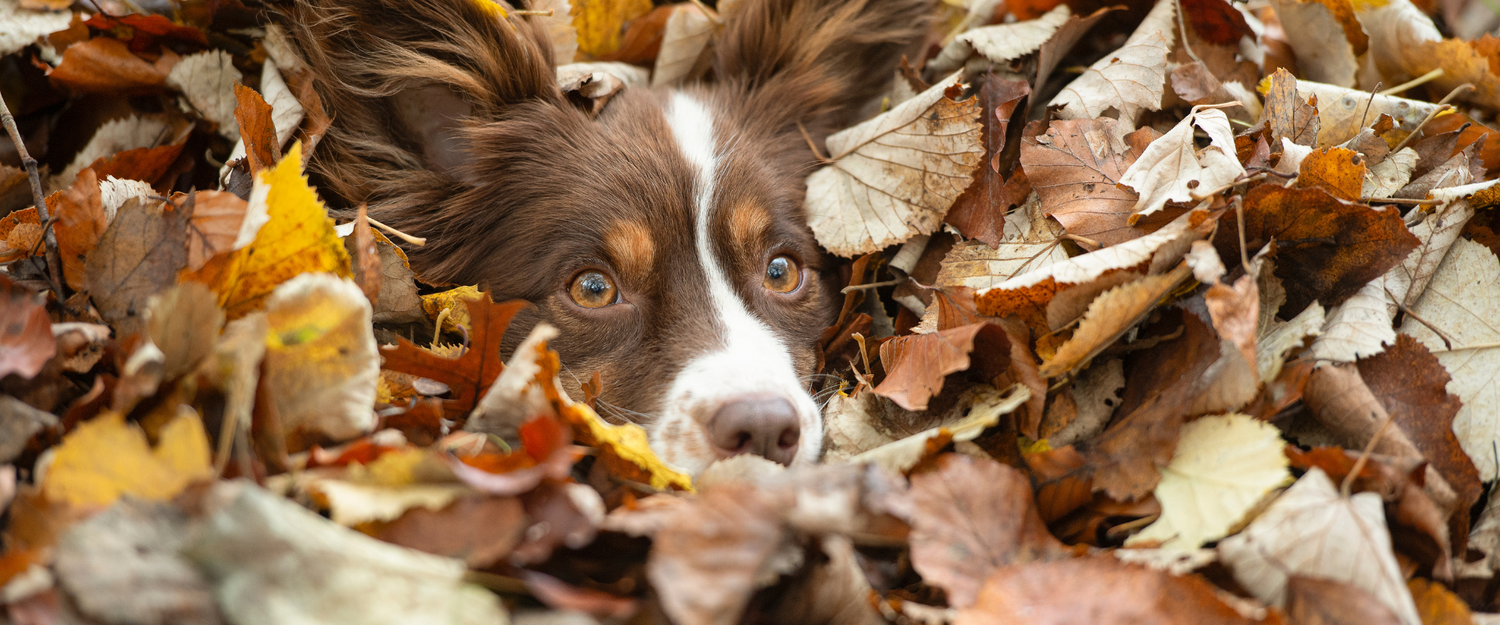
(782, 275)
(592, 289)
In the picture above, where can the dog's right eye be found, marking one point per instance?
(592, 289)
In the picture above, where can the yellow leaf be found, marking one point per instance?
(298, 238)
(599, 23)
(451, 299)
(322, 365)
(106, 458)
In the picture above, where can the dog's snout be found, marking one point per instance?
(766, 426)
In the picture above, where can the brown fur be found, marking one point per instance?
(542, 190)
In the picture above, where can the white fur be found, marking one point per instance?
(751, 359)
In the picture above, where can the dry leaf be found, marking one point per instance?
(25, 26)
(1463, 300)
(896, 175)
(81, 222)
(26, 342)
(1000, 43)
(1131, 79)
(475, 369)
(114, 137)
(683, 42)
(1313, 531)
(256, 130)
(106, 65)
(1075, 168)
(1222, 468)
(971, 517)
(1318, 601)
(138, 257)
(1108, 317)
(916, 365)
(1316, 34)
(184, 322)
(1172, 168)
(207, 81)
(599, 22)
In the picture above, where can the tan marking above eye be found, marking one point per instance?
(748, 221)
(783, 275)
(630, 248)
(593, 289)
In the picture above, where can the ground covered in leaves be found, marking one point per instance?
(1178, 312)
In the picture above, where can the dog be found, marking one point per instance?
(666, 237)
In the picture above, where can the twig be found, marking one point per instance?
(547, 13)
(1082, 239)
(54, 264)
(812, 145)
(1182, 27)
(1239, 215)
(1442, 106)
(1420, 80)
(1447, 340)
(438, 333)
(1227, 186)
(1399, 200)
(1468, 347)
(1368, 104)
(1364, 457)
(871, 285)
(417, 241)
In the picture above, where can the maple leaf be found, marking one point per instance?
(473, 371)
(297, 237)
(1312, 530)
(1222, 468)
(896, 175)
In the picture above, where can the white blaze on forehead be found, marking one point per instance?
(750, 358)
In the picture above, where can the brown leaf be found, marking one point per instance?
(1109, 592)
(710, 556)
(468, 375)
(1318, 601)
(970, 518)
(1110, 315)
(1411, 385)
(916, 365)
(145, 164)
(1437, 604)
(1341, 401)
(1339, 171)
(105, 65)
(256, 128)
(80, 224)
(1075, 169)
(138, 257)
(217, 217)
(979, 213)
(1062, 479)
(1290, 116)
(26, 342)
(1216, 21)
(479, 529)
(1326, 248)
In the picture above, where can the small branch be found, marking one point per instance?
(1420, 80)
(1467, 347)
(1364, 457)
(1082, 239)
(438, 333)
(1447, 340)
(54, 263)
(1227, 186)
(417, 241)
(1399, 200)
(871, 285)
(1239, 215)
(1182, 27)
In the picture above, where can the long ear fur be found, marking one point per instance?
(816, 61)
(403, 78)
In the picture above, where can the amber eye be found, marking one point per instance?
(782, 275)
(592, 289)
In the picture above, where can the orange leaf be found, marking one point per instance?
(145, 164)
(105, 65)
(80, 224)
(256, 129)
(26, 342)
(469, 375)
(916, 365)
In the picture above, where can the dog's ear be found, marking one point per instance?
(816, 61)
(402, 79)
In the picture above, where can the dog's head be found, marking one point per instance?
(665, 237)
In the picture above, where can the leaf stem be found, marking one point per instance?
(1364, 457)
(417, 241)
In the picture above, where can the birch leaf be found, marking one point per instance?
(24, 27)
(1172, 167)
(686, 36)
(1108, 317)
(1001, 42)
(1311, 530)
(896, 175)
(1324, 52)
(207, 80)
(1222, 468)
(1131, 80)
(1463, 300)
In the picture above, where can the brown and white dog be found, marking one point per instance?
(666, 237)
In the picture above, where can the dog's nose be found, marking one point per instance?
(762, 425)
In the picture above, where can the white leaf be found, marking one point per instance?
(1172, 167)
(274, 562)
(114, 193)
(1323, 51)
(1463, 299)
(1161, 248)
(683, 41)
(1001, 42)
(1280, 338)
(1311, 530)
(560, 30)
(978, 266)
(1222, 468)
(207, 80)
(1130, 80)
(1390, 174)
(351, 503)
(895, 175)
(24, 27)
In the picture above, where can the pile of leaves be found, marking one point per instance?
(1175, 311)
